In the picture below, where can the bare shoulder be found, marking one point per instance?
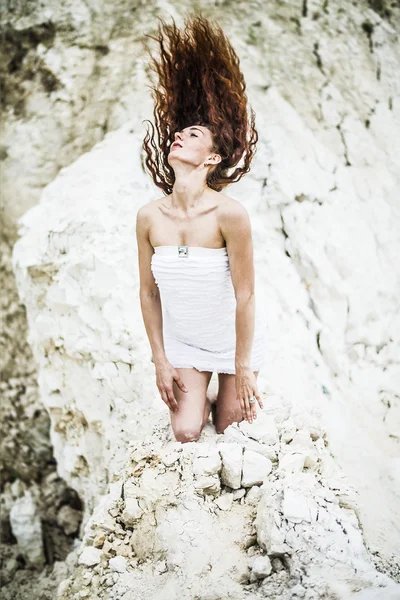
(229, 206)
(232, 213)
(147, 212)
(149, 208)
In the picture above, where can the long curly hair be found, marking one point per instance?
(199, 83)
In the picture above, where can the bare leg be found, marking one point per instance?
(191, 416)
(227, 408)
(212, 394)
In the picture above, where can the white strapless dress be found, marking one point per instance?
(199, 309)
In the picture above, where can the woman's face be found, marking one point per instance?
(192, 145)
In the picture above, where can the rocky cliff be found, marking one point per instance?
(306, 498)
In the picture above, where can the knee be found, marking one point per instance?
(186, 435)
(220, 428)
(221, 424)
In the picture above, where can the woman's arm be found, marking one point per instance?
(150, 301)
(236, 230)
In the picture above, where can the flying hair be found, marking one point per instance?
(199, 83)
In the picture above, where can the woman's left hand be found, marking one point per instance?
(246, 387)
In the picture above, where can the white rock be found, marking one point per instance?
(69, 519)
(63, 588)
(291, 463)
(233, 434)
(269, 531)
(106, 522)
(90, 556)
(261, 567)
(208, 486)
(298, 591)
(255, 468)
(118, 564)
(209, 464)
(161, 567)
(87, 577)
(224, 502)
(232, 461)
(26, 527)
(253, 495)
(295, 506)
(132, 512)
(301, 440)
(170, 458)
(237, 494)
(280, 550)
(303, 444)
(288, 432)
(263, 429)
(130, 489)
(263, 449)
(18, 488)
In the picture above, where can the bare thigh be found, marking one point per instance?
(187, 421)
(227, 408)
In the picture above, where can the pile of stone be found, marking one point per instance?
(250, 513)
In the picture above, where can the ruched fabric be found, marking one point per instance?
(199, 309)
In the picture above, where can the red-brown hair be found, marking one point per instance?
(199, 83)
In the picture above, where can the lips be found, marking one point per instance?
(176, 144)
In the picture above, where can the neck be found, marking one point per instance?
(188, 190)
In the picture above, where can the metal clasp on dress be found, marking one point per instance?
(183, 251)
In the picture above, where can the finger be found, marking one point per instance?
(253, 410)
(181, 384)
(250, 410)
(259, 400)
(247, 409)
(164, 398)
(167, 400)
(252, 405)
(242, 406)
(172, 399)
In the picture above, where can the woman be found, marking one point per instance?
(195, 248)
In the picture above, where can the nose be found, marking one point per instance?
(178, 136)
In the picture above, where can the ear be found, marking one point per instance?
(214, 159)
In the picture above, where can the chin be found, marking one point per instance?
(172, 157)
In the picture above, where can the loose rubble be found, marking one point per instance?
(287, 531)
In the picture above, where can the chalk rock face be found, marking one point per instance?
(89, 337)
(71, 74)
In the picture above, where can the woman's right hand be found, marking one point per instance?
(166, 374)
